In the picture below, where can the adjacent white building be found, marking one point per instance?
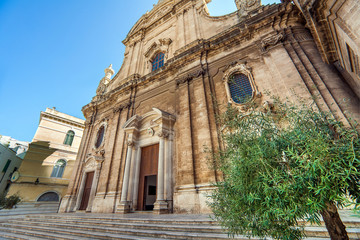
(11, 154)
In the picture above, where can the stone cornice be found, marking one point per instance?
(61, 119)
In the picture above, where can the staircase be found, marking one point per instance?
(31, 208)
(131, 226)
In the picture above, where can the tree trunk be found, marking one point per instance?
(333, 223)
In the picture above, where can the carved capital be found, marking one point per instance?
(163, 134)
(130, 143)
(190, 76)
(272, 41)
(121, 107)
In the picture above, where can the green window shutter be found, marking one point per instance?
(6, 166)
(69, 137)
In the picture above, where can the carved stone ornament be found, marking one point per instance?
(239, 67)
(190, 76)
(101, 89)
(100, 153)
(245, 6)
(90, 163)
(163, 46)
(165, 41)
(150, 131)
(272, 41)
(130, 143)
(121, 107)
(105, 81)
(163, 134)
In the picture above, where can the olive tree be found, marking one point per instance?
(282, 167)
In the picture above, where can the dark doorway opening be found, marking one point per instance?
(148, 177)
(87, 190)
(150, 192)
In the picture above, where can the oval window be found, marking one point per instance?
(100, 136)
(240, 88)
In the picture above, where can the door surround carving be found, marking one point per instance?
(151, 128)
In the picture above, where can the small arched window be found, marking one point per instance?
(158, 61)
(100, 136)
(69, 137)
(240, 88)
(58, 169)
(49, 197)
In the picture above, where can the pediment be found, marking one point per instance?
(154, 117)
(90, 162)
(149, 18)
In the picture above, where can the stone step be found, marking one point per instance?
(33, 234)
(108, 233)
(108, 225)
(28, 206)
(353, 233)
(135, 226)
(350, 223)
(126, 218)
(122, 228)
(163, 226)
(29, 209)
(27, 212)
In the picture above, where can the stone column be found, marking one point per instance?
(124, 206)
(136, 176)
(161, 205)
(168, 171)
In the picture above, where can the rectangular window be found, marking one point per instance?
(6, 166)
(353, 60)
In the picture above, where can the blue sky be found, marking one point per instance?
(53, 54)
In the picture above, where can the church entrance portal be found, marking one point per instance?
(148, 177)
(87, 190)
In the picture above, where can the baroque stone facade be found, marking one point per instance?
(148, 127)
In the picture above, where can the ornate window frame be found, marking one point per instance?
(160, 45)
(104, 125)
(241, 69)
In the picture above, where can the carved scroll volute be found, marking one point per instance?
(163, 134)
(130, 143)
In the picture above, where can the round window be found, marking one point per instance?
(100, 136)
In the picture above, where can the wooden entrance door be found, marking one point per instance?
(87, 190)
(148, 167)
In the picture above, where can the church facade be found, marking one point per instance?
(148, 127)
